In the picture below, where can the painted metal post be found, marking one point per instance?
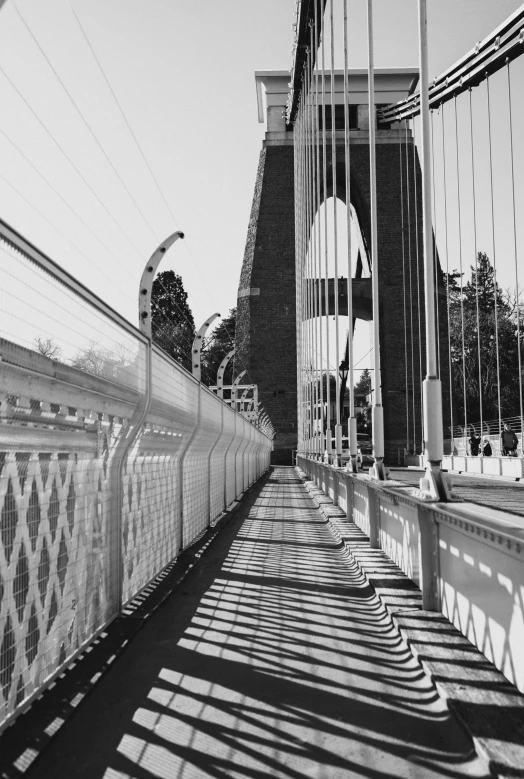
(210, 455)
(234, 389)
(146, 283)
(377, 471)
(197, 347)
(129, 436)
(434, 483)
(183, 458)
(221, 371)
(224, 406)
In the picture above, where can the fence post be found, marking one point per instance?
(128, 437)
(429, 558)
(182, 463)
(374, 517)
(209, 464)
(350, 497)
(225, 459)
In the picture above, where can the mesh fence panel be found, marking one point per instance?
(231, 459)
(84, 523)
(196, 467)
(217, 487)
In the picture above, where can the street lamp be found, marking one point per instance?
(343, 370)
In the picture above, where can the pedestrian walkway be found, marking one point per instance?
(275, 658)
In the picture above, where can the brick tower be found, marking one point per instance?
(266, 319)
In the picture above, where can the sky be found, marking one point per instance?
(183, 75)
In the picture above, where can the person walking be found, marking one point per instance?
(474, 443)
(509, 442)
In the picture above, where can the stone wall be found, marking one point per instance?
(266, 323)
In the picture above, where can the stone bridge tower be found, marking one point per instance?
(266, 323)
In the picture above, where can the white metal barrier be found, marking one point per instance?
(112, 459)
(467, 560)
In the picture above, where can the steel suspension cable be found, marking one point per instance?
(404, 290)
(338, 442)
(435, 255)
(314, 241)
(301, 276)
(352, 428)
(309, 253)
(326, 279)
(410, 261)
(459, 216)
(445, 193)
(495, 285)
(515, 251)
(476, 259)
(319, 234)
(417, 255)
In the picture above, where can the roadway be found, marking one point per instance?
(484, 491)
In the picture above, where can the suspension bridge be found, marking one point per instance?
(204, 578)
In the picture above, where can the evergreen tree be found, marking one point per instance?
(172, 322)
(363, 385)
(480, 328)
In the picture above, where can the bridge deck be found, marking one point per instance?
(493, 493)
(275, 658)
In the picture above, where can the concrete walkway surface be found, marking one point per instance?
(275, 658)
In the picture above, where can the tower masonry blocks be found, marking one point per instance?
(267, 314)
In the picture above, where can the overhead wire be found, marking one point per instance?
(42, 216)
(68, 158)
(84, 120)
(97, 141)
(135, 139)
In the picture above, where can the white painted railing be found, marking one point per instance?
(95, 498)
(467, 560)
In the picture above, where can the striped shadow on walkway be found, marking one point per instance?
(274, 659)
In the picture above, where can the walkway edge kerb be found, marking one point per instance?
(504, 762)
(21, 736)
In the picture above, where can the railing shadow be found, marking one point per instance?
(263, 665)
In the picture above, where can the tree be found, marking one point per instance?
(99, 361)
(172, 322)
(475, 330)
(363, 385)
(363, 415)
(216, 347)
(48, 347)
